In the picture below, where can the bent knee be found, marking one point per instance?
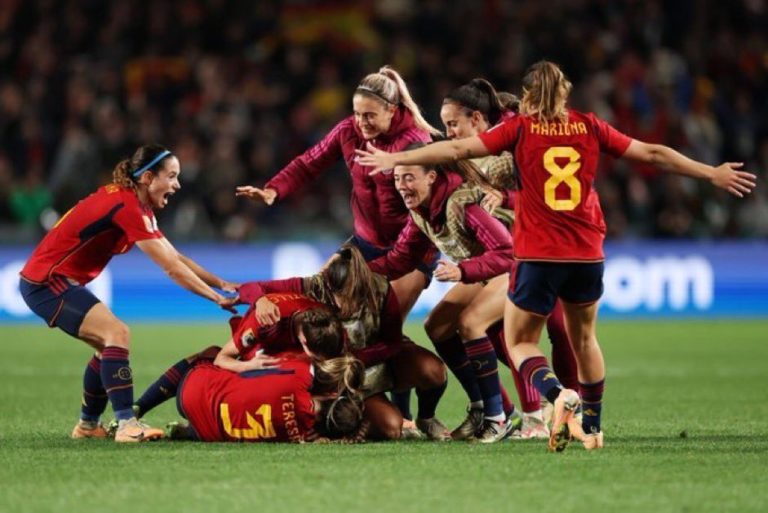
(119, 334)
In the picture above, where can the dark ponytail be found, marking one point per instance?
(480, 95)
(149, 157)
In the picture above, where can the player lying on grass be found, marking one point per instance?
(370, 313)
(289, 397)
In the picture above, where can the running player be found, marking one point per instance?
(106, 223)
(559, 229)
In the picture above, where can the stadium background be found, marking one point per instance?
(237, 88)
(84, 83)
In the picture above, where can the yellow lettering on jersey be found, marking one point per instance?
(255, 430)
(112, 188)
(535, 128)
(560, 175)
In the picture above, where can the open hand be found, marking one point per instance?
(727, 176)
(266, 195)
(266, 312)
(373, 157)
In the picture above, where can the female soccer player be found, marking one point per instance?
(467, 111)
(295, 400)
(109, 222)
(446, 213)
(559, 229)
(383, 113)
(369, 311)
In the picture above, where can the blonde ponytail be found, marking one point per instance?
(389, 86)
(545, 92)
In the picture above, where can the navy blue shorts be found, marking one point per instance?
(59, 302)
(539, 284)
(371, 252)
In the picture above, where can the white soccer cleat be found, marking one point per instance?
(533, 428)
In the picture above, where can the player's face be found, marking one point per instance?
(164, 184)
(414, 183)
(372, 116)
(460, 123)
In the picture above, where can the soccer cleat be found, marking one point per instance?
(410, 431)
(434, 429)
(471, 424)
(132, 430)
(593, 441)
(533, 428)
(89, 429)
(493, 431)
(562, 418)
(177, 430)
(546, 411)
(516, 422)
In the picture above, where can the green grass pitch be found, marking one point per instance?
(686, 422)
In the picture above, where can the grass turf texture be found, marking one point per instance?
(685, 421)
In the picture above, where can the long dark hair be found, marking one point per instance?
(348, 276)
(480, 95)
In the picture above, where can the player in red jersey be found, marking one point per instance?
(106, 223)
(284, 404)
(295, 400)
(369, 311)
(305, 328)
(559, 229)
(285, 330)
(467, 111)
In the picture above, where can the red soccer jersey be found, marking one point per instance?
(106, 223)
(268, 405)
(277, 338)
(557, 211)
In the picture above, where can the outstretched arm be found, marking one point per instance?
(302, 170)
(208, 277)
(436, 153)
(163, 254)
(725, 176)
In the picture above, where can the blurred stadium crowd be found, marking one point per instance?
(238, 88)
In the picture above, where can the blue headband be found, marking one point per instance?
(154, 161)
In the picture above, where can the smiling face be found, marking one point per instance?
(372, 116)
(414, 183)
(163, 185)
(460, 122)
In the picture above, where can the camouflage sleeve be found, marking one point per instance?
(501, 171)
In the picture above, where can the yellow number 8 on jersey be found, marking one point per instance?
(564, 174)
